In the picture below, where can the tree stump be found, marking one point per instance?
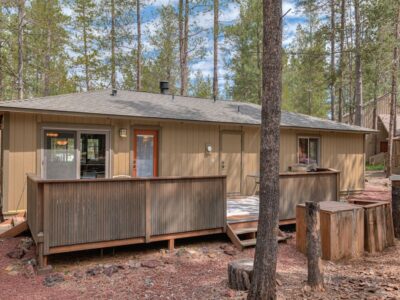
(240, 273)
(315, 274)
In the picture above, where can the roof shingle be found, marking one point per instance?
(148, 105)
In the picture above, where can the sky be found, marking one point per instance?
(229, 14)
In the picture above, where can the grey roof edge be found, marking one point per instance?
(351, 129)
(334, 125)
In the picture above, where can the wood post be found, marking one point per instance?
(171, 244)
(396, 207)
(315, 272)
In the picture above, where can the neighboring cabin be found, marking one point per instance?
(377, 143)
(97, 135)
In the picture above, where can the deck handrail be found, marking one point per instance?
(67, 215)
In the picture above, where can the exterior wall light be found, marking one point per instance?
(123, 132)
(208, 148)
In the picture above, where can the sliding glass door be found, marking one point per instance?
(93, 155)
(75, 154)
(60, 154)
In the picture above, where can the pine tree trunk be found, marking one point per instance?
(341, 64)
(216, 32)
(85, 49)
(113, 72)
(315, 275)
(21, 20)
(358, 87)
(263, 285)
(46, 88)
(185, 79)
(183, 44)
(393, 97)
(139, 49)
(333, 68)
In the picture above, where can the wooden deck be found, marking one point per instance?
(72, 215)
(295, 188)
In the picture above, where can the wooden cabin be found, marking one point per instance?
(110, 168)
(101, 134)
(376, 144)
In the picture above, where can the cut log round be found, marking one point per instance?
(240, 273)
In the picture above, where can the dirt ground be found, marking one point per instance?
(197, 269)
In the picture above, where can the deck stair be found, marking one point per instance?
(244, 234)
(13, 226)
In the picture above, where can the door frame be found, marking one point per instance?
(78, 130)
(241, 134)
(149, 131)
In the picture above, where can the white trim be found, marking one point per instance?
(77, 130)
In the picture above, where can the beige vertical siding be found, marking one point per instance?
(20, 157)
(341, 151)
(345, 152)
(181, 151)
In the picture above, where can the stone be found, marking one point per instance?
(230, 251)
(94, 271)
(133, 264)
(77, 275)
(25, 243)
(181, 252)
(151, 264)
(148, 282)
(17, 253)
(29, 271)
(168, 261)
(30, 261)
(110, 270)
(53, 279)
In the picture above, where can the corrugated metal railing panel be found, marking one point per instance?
(85, 212)
(297, 189)
(34, 208)
(187, 205)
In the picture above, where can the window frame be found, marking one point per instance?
(308, 137)
(78, 131)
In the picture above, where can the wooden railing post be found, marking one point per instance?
(148, 211)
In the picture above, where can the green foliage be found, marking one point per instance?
(304, 76)
(200, 86)
(244, 40)
(369, 167)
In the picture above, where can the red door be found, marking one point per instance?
(145, 153)
(384, 147)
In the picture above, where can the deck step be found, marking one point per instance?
(245, 230)
(248, 243)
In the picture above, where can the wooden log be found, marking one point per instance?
(315, 272)
(240, 273)
(396, 207)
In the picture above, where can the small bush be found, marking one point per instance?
(375, 167)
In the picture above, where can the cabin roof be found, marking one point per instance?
(385, 119)
(158, 106)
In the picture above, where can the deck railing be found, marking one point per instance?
(69, 215)
(299, 187)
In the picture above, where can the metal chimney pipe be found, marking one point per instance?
(164, 87)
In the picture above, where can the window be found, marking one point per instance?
(72, 154)
(308, 150)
